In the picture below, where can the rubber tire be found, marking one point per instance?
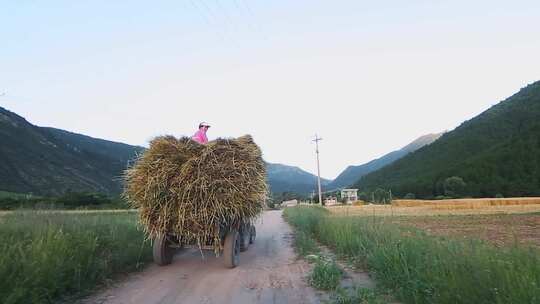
(163, 253)
(244, 239)
(252, 234)
(231, 249)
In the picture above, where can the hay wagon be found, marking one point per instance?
(234, 239)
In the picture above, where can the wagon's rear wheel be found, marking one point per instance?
(162, 250)
(245, 237)
(252, 234)
(231, 249)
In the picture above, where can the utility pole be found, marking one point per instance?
(316, 140)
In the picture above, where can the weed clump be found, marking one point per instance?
(326, 275)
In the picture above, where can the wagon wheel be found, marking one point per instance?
(231, 249)
(245, 238)
(162, 250)
(252, 234)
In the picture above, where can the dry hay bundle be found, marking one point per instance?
(188, 189)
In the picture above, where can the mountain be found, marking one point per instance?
(496, 152)
(353, 173)
(283, 178)
(50, 161)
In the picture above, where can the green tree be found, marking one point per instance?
(454, 187)
(382, 196)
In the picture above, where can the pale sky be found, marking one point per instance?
(367, 76)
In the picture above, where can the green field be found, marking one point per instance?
(68, 200)
(420, 268)
(54, 255)
(5, 194)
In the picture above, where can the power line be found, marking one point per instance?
(211, 19)
(253, 22)
(242, 11)
(227, 18)
(204, 16)
(229, 23)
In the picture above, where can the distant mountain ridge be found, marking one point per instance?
(496, 152)
(353, 173)
(283, 178)
(49, 161)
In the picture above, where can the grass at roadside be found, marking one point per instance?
(357, 296)
(426, 269)
(326, 275)
(49, 256)
(304, 244)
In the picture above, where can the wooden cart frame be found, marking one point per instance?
(234, 239)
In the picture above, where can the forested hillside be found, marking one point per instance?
(353, 173)
(49, 161)
(495, 153)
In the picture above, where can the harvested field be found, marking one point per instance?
(501, 222)
(471, 203)
(442, 207)
(499, 230)
(388, 210)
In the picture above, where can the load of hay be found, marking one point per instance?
(189, 190)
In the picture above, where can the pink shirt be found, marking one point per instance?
(200, 137)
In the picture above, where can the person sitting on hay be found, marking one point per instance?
(200, 135)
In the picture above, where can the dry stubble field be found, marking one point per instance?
(501, 222)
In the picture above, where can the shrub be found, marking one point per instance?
(454, 187)
(382, 196)
(409, 196)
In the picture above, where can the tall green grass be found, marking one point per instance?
(426, 269)
(49, 256)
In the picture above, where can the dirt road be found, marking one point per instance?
(268, 273)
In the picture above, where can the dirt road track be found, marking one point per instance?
(268, 273)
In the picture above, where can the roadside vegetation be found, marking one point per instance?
(421, 268)
(357, 296)
(51, 256)
(326, 275)
(69, 200)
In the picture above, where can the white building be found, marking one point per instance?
(290, 203)
(349, 195)
(330, 201)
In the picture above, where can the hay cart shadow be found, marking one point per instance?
(234, 239)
